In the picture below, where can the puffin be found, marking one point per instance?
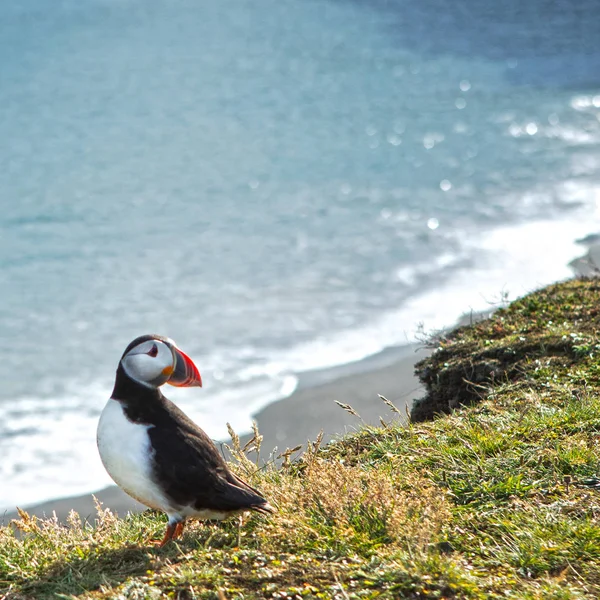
(155, 453)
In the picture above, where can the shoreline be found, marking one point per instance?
(311, 408)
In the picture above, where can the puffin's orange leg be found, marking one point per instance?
(179, 529)
(169, 533)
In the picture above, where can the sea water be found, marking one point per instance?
(279, 186)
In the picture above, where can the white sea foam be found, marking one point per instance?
(506, 262)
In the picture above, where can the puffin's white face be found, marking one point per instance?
(152, 363)
(153, 360)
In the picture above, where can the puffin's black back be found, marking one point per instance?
(190, 469)
(186, 464)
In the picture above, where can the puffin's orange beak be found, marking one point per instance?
(185, 373)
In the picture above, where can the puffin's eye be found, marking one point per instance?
(153, 351)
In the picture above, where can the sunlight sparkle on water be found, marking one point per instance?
(514, 130)
(531, 128)
(583, 102)
(394, 139)
(431, 139)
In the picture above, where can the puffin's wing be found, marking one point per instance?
(191, 471)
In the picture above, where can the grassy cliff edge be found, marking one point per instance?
(500, 498)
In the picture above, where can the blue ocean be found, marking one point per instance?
(279, 186)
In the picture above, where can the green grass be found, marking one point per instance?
(498, 499)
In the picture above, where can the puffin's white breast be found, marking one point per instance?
(126, 453)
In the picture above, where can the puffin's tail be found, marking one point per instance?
(258, 503)
(265, 509)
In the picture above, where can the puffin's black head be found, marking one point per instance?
(153, 360)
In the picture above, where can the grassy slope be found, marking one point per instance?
(499, 500)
